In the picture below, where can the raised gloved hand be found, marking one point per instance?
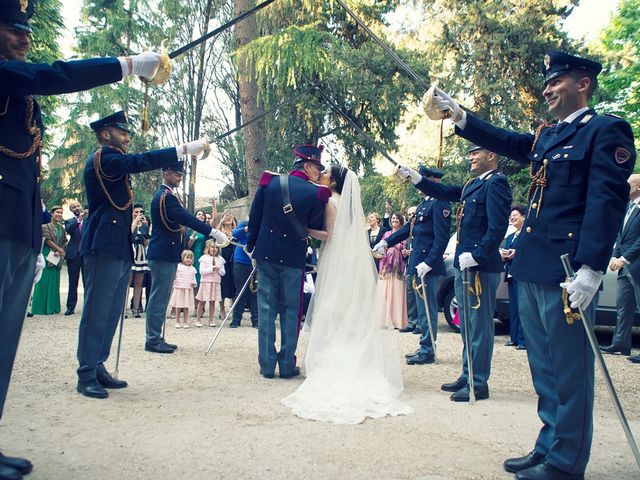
(195, 148)
(380, 247)
(408, 173)
(466, 260)
(143, 65)
(39, 268)
(218, 236)
(444, 103)
(422, 269)
(583, 287)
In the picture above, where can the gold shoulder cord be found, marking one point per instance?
(32, 130)
(163, 214)
(538, 179)
(460, 212)
(476, 290)
(97, 167)
(569, 315)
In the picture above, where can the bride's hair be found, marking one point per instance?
(338, 175)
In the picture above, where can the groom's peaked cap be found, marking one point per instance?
(309, 153)
(430, 172)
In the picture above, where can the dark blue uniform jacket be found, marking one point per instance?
(165, 244)
(107, 229)
(581, 209)
(431, 232)
(20, 205)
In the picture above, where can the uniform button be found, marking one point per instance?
(474, 199)
(266, 258)
(534, 205)
(566, 155)
(271, 231)
(545, 161)
(114, 221)
(475, 244)
(285, 236)
(535, 155)
(280, 261)
(570, 234)
(173, 243)
(529, 229)
(0, 177)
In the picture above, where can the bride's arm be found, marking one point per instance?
(329, 220)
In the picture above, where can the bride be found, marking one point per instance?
(350, 373)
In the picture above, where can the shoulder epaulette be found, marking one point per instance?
(586, 119)
(266, 178)
(614, 116)
(323, 194)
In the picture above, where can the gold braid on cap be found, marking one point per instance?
(97, 167)
(33, 130)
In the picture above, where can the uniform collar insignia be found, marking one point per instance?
(586, 118)
(24, 4)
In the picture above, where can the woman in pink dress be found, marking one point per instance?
(182, 295)
(211, 273)
(391, 293)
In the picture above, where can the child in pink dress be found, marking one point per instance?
(211, 273)
(182, 295)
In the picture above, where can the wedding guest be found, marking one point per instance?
(182, 295)
(196, 245)
(516, 218)
(46, 293)
(412, 317)
(227, 287)
(140, 268)
(211, 270)
(73, 227)
(391, 280)
(375, 232)
(241, 271)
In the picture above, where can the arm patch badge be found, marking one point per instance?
(446, 213)
(622, 155)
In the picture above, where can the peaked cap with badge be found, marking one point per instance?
(117, 119)
(309, 153)
(559, 63)
(17, 13)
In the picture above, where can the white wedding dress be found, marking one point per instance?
(352, 368)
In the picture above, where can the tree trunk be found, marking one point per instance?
(255, 151)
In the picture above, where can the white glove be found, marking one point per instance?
(408, 173)
(583, 287)
(380, 247)
(466, 260)
(218, 236)
(194, 148)
(39, 268)
(446, 103)
(309, 251)
(144, 65)
(422, 269)
(308, 286)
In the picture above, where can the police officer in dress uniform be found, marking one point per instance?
(106, 243)
(21, 132)
(169, 220)
(579, 171)
(278, 242)
(430, 234)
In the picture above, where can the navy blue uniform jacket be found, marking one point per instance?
(166, 245)
(430, 236)
(20, 205)
(271, 236)
(487, 203)
(107, 229)
(582, 207)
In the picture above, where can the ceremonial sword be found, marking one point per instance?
(593, 342)
(467, 331)
(426, 306)
(124, 305)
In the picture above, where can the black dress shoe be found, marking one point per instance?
(107, 381)
(158, 348)
(613, 350)
(462, 395)
(407, 329)
(546, 471)
(417, 331)
(92, 389)
(234, 325)
(454, 386)
(68, 312)
(634, 359)
(29, 314)
(293, 373)
(510, 344)
(8, 473)
(23, 465)
(170, 345)
(420, 359)
(531, 459)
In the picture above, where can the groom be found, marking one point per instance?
(284, 206)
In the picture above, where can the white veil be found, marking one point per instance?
(352, 369)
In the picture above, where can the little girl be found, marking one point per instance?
(182, 295)
(211, 273)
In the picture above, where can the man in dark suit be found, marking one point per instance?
(168, 218)
(283, 207)
(106, 243)
(21, 131)
(481, 222)
(579, 170)
(429, 233)
(626, 261)
(73, 227)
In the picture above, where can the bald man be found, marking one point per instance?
(626, 261)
